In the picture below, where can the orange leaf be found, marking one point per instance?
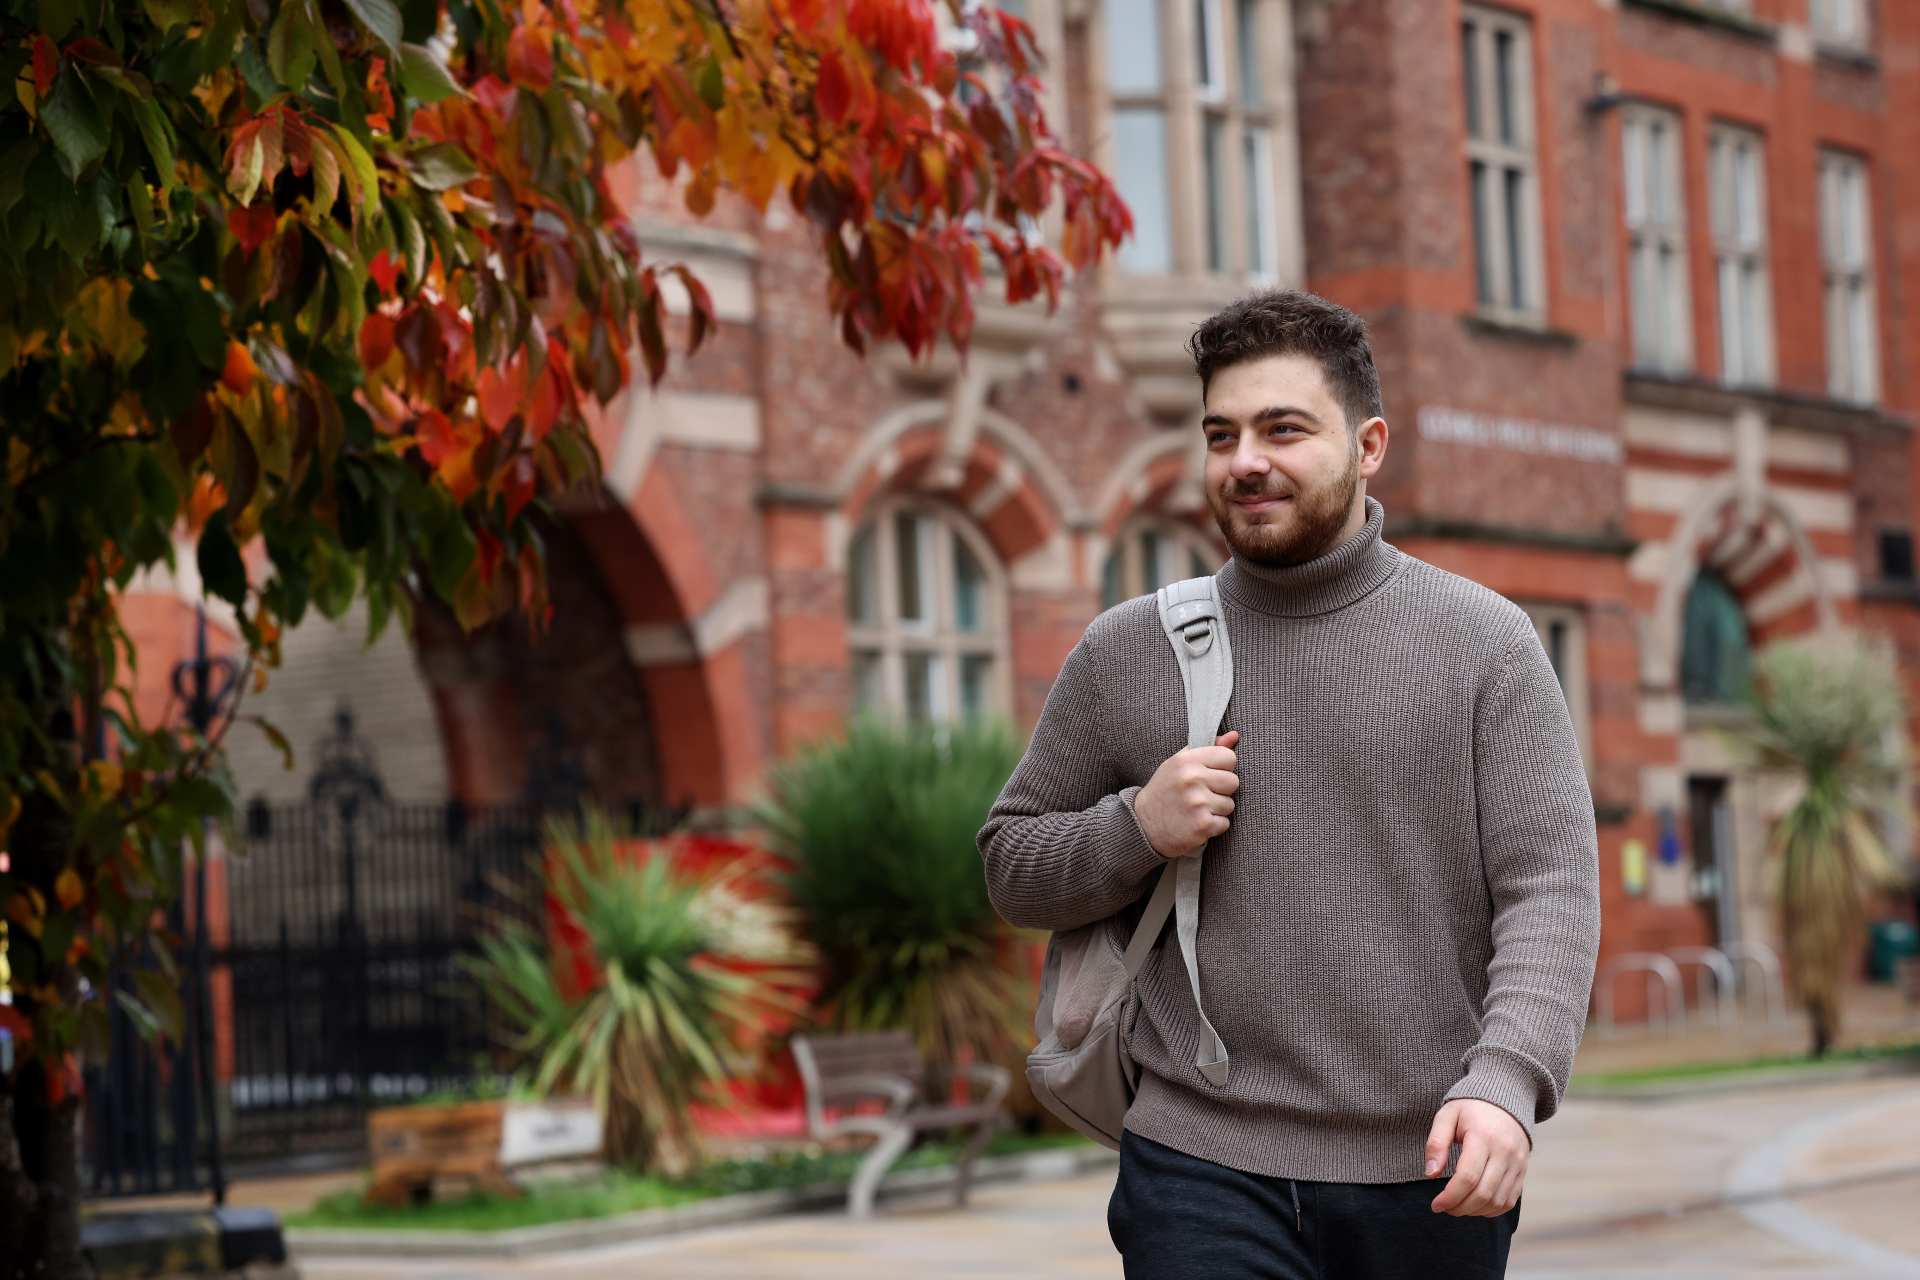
(240, 371)
(530, 57)
(69, 888)
(499, 398)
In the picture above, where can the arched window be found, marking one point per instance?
(1714, 656)
(1149, 554)
(926, 616)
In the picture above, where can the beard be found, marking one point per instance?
(1302, 530)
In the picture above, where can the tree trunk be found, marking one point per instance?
(39, 1183)
(1824, 1025)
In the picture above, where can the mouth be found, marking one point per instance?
(1265, 502)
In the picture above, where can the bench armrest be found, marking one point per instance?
(897, 1090)
(992, 1080)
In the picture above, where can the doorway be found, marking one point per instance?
(1715, 857)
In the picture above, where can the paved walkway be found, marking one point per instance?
(1627, 1190)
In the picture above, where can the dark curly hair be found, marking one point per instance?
(1281, 322)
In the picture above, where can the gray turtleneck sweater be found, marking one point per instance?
(1406, 909)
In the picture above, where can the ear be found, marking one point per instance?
(1372, 440)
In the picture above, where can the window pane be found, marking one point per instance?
(1661, 202)
(1518, 286)
(1206, 45)
(1140, 171)
(926, 687)
(907, 564)
(1644, 296)
(969, 589)
(1747, 187)
(1759, 337)
(1557, 650)
(1503, 83)
(1256, 164)
(869, 692)
(1133, 46)
(1634, 143)
(1112, 587)
(1720, 177)
(1470, 76)
(1247, 37)
(976, 671)
(1839, 375)
(1675, 324)
(1730, 345)
(863, 578)
(1216, 195)
(1200, 568)
(1482, 229)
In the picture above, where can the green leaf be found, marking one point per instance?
(707, 82)
(365, 178)
(278, 739)
(424, 76)
(57, 18)
(326, 174)
(154, 129)
(13, 172)
(290, 50)
(440, 166)
(221, 569)
(382, 18)
(73, 120)
(162, 997)
(167, 14)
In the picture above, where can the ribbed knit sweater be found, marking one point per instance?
(1406, 909)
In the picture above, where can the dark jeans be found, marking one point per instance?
(1175, 1215)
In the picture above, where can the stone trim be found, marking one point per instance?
(1732, 24)
(1604, 543)
(1783, 408)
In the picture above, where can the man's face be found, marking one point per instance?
(1284, 474)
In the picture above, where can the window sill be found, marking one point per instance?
(1720, 20)
(1888, 592)
(1498, 326)
(1786, 408)
(1852, 57)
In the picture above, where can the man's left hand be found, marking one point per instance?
(1493, 1158)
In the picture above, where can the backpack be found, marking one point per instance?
(1081, 1071)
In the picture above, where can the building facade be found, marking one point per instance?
(1641, 276)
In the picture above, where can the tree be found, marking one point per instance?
(1832, 713)
(323, 289)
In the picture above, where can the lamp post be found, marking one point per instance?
(205, 684)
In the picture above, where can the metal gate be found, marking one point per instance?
(338, 987)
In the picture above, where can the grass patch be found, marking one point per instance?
(616, 1191)
(1710, 1070)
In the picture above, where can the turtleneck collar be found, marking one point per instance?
(1353, 569)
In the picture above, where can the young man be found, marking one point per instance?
(1400, 906)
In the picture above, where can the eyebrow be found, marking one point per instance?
(1267, 414)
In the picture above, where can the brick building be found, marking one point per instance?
(1642, 281)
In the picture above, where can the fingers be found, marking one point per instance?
(1466, 1177)
(1440, 1138)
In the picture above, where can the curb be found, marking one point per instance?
(1741, 1081)
(644, 1224)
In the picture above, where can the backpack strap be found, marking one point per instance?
(1196, 627)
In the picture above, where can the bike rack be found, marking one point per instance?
(1655, 966)
(1711, 960)
(1762, 957)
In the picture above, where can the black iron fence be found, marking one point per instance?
(338, 986)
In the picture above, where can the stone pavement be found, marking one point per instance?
(1682, 1189)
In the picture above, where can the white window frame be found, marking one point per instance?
(1218, 195)
(1737, 195)
(891, 638)
(1572, 672)
(1842, 24)
(1510, 276)
(1846, 261)
(1740, 8)
(1654, 196)
(1128, 553)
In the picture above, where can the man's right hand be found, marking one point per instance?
(1186, 802)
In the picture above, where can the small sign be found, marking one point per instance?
(1633, 867)
(534, 1132)
(1520, 435)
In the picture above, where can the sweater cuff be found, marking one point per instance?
(1139, 859)
(1504, 1078)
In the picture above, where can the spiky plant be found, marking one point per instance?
(682, 965)
(1831, 711)
(879, 828)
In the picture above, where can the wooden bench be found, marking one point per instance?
(885, 1066)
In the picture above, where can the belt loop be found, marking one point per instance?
(1298, 1224)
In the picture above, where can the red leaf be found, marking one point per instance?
(438, 440)
(384, 269)
(252, 225)
(518, 482)
(376, 340)
(832, 92)
(530, 57)
(499, 398)
(490, 552)
(544, 410)
(46, 64)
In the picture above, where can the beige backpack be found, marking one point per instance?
(1081, 1071)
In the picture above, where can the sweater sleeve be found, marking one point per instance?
(1062, 847)
(1541, 855)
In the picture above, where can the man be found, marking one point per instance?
(1400, 906)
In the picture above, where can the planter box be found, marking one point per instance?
(414, 1146)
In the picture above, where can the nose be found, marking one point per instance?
(1248, 461)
